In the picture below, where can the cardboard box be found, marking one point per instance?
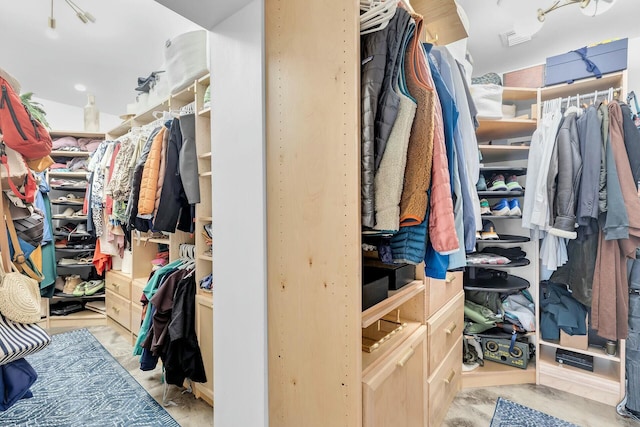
(579, 342)
(568, 67)
(532, 77)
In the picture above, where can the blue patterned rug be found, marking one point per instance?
(510, 414)
(81, 384)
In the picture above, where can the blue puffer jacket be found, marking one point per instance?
(409, 244)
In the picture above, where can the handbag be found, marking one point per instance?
(15, 173)
(15, 380)
(19, 296)
(18, 340)
(21, 260)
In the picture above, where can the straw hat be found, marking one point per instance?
(19, 297)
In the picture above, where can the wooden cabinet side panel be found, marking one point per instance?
(313, 212)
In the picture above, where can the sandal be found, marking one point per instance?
(66, 214)
(71, 199)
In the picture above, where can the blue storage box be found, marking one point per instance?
(607, 57)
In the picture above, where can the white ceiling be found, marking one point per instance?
(565, 29)
(125, 43)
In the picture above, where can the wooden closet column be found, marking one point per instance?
(313, 212)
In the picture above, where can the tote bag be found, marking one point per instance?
(18, 340)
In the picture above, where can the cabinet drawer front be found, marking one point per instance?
(443, 330)
(137, 287)
(393, 394)
(445, 384)
(118, 284)
(439, 292)
(119, 309)
(136, 317)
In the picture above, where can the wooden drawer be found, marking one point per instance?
(393, 394)
(119, 309)
(118, 284)
(137, 286)
(444, 384)
(136, 317)
(440, 292)
(443, 331)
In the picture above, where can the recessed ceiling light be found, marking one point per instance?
(80, 87)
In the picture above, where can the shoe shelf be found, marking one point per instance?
(395, 300)
(493, 194)
(63, 297)
(596, 352)
(503, 170)
(504, 128)
(501, 216)
(495, 374)
(74, 250)
(517, 263)
(67, 203)
(505, 238)
(496, 284)
(68, 188)
(69, 218)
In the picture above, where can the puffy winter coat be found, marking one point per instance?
(566, 167)
(161, 171)
(417, 175)
(149, 183)
(408, 245)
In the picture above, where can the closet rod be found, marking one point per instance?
(595, 94)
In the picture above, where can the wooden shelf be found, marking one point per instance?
(591, 351)
(369, 359)
(205, 174)
(121, 129)
(205, 218)
(589, 85)
(502, 153)
(63, 153)
(519, 93)
(205, 112)
(76, 134)
(205, 155)
(399, 297)
(205, 80)
(504, 128)
(82, 318)
(54, 174)
(147, 116)
(205, 257)
(493, 373)
(185, 95)
(153, 240)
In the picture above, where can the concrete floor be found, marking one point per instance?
(471, 408)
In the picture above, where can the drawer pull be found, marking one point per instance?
(405, 358)
(451, 328)
(450, 377)
(117, 310)
(450, 279)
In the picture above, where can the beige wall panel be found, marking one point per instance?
(313, 212)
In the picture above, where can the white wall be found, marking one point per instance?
(239, 219)
(633, 64)
(69, 117)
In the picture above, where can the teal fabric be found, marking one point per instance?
(149, 291)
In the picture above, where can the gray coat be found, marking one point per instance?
(631, 141)
(590, 134)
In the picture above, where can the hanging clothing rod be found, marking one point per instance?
(594, 94)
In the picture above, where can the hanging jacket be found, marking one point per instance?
(590, 137)
(149, 182)
(188, 159)
(442, 231)
(374, 60)
(161, 171)
(603, 114)
(631, 141)
(564, 177)
(174, 210)
(408, 246)
(390, 175)
(184, 358)
(389, 101)
(136, 180)
(417, 176)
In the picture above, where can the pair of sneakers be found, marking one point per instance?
(503, 207)
(498, 183)
(488, 231)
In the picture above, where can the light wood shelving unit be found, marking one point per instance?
(314, 263)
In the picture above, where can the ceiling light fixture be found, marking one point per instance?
(80, 87)
(588, 7)
(82, 14)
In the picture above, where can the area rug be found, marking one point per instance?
(81, 384)
(511, 414)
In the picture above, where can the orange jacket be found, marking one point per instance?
(149, 182)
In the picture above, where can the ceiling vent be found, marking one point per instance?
(511, 38)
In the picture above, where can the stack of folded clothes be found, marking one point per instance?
(69, 143)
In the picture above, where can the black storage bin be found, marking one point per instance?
(375, 288)
(398, 274)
